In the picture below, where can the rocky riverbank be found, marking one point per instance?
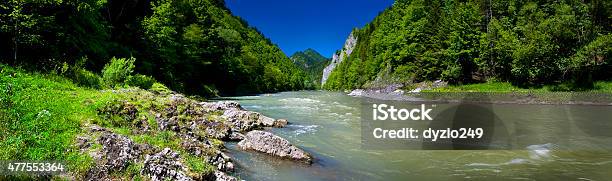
(397, 91)
(161, 135)
(429, 92)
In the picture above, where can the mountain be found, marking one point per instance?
(307, 58)
(527, 43)
(312, 62)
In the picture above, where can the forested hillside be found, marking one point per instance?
(196, 47)
(527, 43)
(313, 63)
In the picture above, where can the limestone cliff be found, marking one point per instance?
(338, 57)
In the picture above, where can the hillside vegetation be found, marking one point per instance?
(525, 43)
(313, 63)
(195, 47)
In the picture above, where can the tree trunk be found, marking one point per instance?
(14, 51)
(15, 44)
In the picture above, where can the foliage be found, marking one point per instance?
(160, 88)
(313, 64)
(86, 78)
(142, 81)
(118, 70)
(527, 43)
(201, 43)
(183, 44)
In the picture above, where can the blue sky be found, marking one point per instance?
(297, 25)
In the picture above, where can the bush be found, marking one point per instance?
(142, 81)
(86, 78)
(160, 88)
(79, 75)
(118, 70)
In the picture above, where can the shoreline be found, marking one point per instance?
(527, 98)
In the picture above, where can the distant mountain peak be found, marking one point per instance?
(307, 57)
(311, 61)
(310, 50)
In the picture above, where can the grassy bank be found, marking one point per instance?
(41, 116)
(505, 87)
(504, 92)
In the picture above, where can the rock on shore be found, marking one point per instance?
(274, 145)
(173, 137)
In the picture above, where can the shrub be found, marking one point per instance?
(80, 75)
(118, 70)
(160, 88)
(86, 78)
(142, 81)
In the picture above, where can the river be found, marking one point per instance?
(327, 124)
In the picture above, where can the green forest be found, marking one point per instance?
(313, 63)
(525, 43)
(194, 47)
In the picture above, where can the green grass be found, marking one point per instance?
(599, 87)
(198, 165)
(41, 115)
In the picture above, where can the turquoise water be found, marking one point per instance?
(327, 124)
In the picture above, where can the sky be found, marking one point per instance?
(295, 25)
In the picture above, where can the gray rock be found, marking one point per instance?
(356, 93)
(274, 145)
(119, 150)
(83, 142)
(164, 165)
(280, 123)
(222, 176)
(116, 154)
(222, 105)
(242, 120)
(222, 161)
(195, 147)
(236, 136)
(266, 121)
(218, 130)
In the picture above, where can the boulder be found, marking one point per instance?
(196, 147)
(119, 150)
(357, 93)
(266, 121)
(222, 161)
(222, 176)
(164, 165)
(222, 105)
(236, 136)
(274, 145)
(116, 154)
(241, 120)
(280, 123)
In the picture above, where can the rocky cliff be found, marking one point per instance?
(338, 57)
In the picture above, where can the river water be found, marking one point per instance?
(327, 124)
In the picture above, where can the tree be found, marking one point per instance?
(20, 24)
